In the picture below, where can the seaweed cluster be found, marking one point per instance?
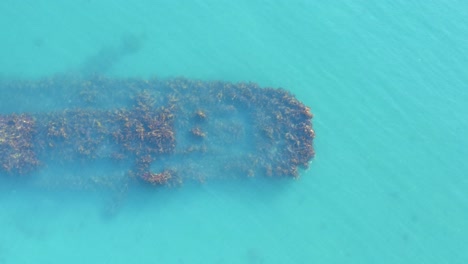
(17, 153)
(171, 130)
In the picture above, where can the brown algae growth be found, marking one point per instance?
(168, 131)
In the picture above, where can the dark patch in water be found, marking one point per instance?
(108, 56)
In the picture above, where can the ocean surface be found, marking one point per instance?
(387, 82)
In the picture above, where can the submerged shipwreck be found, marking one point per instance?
(99, 131)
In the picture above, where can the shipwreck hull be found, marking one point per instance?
(160, 132)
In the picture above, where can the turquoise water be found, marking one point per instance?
(386, 82)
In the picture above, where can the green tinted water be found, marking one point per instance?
(387, 84)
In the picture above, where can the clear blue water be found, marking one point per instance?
(387, 82)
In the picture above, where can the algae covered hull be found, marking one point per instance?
(159, 131)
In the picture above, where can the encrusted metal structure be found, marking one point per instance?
(166, 131)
